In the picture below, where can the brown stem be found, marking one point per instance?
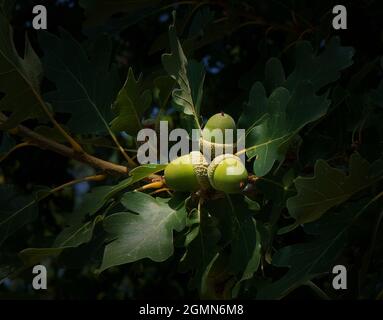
(252, 179)
(153, 185)
(19, 146)
(99, 177)
(48, 144)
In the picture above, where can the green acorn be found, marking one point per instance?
(218, 122)
(187, 173)
(227, 173)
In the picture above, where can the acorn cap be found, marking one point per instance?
(200, 166)
(187, 173)
(212, 150)
(213, 138)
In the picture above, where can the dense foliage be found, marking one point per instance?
(74, 198)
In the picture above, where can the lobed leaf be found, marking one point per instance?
(71, 237)
(86, 87)
(272, 121)
(19, 79)
(145, 230)
(96, 199)
(308, 260)
(327, 188)
(201, 250)
(16, 210)
(188, 75)
(287, 114)
(131, 103)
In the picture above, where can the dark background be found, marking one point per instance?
(239, 55)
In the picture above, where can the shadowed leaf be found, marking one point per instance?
(327, 188)
(189, 77)
(272, 121)
(19, 79)
(86, 87)
(308, 260)
(16, 210)
(130, 105)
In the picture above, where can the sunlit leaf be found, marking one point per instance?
(96, 199)
(145, 230)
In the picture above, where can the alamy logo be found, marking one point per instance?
(154, 146)
(340, 20)
(340, 280)
(39, 282)
(40, 21)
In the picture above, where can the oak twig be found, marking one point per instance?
(47, 144)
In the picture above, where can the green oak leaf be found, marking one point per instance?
(70, 237)
(96, 199)
(252, 264)
(309, 260)
(237, 227)
(244, 241)
(207, 290)
(287, 114)
(328, 187)
(255, 108)
(16, 210)
(131, 103)
(165, 86)
(320, 69)
(274, 75)
(20, 79)
(76, 234)
(144, 231)
(85, 87)
(188, 75)
(201, 250)
(271, 121)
